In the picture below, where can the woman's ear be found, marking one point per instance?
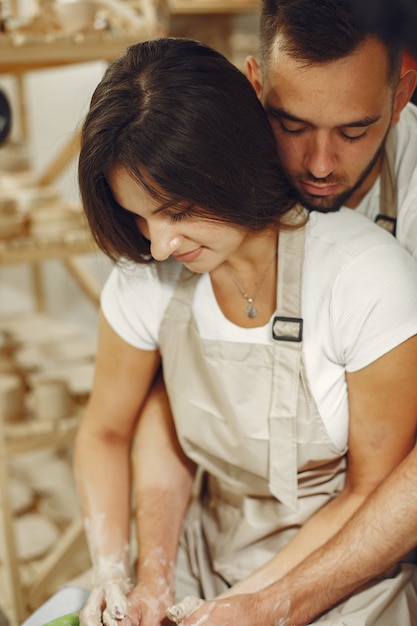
(406, 86)
(254, 75)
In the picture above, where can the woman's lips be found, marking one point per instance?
(187, 257)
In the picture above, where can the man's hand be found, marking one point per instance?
(178, 612)
(239, 610)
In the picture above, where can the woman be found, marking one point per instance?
(265, 320)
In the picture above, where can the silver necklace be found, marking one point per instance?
(250, 310)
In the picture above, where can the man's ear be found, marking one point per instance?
(405, 89)
(254, 74)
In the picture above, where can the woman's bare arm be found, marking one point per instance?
(102, 458)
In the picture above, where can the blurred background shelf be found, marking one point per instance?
(177, 7)
(27, 250)
(35, 454)
(27, 50)
(22, 54)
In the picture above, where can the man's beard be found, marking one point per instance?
(338, 201)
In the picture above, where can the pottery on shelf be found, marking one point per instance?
(66, 350)
(36, 328)
(78, 375)
(11, 397)
(60, 506)
(51, 222)
(51, 398)
(74, 16)
(35, 535)
(12, 221)
(21, 495)
(45, 471)
(24, 464)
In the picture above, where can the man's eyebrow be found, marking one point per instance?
(279, 113)
(367, 121)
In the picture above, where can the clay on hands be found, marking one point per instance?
(178, 612)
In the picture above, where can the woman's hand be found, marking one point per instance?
(107, 603)
(148, 605)
(111, 604)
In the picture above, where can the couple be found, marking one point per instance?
(285, 328)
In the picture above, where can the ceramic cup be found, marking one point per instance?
(11, 397)
(52, 399)
(6, 365)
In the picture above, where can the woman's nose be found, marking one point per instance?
(164, 242)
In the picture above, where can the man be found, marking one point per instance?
(333, 93)
(346, 135)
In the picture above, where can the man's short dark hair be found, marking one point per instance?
(319, 31)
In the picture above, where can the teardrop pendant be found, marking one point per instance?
(251, 310)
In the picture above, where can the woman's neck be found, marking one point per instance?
(245, 285)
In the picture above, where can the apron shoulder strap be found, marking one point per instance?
(287, 330)
(387, 216)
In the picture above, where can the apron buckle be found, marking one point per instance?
(387, 223)
(287, 328)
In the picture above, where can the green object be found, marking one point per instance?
(71, 619)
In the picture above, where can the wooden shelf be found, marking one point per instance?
(21, 54)
(188, 7)
(72, 245)
(34, 434)
(14, 439)
(27, 250)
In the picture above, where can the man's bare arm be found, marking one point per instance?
(378, 535)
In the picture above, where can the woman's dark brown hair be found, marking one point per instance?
(188, 126)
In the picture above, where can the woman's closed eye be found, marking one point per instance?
(178, 214)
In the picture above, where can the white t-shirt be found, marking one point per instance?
(359, 300)
(405, 146)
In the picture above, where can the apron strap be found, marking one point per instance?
(287, 330)
(387, 218)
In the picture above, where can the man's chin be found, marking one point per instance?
(322, 209)
(322, 205)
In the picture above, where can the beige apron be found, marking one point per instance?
(387, 218)
(245, 414)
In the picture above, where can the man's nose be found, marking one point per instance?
(320, 158)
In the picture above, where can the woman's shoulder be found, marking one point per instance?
(127, 275)
(134, 298)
